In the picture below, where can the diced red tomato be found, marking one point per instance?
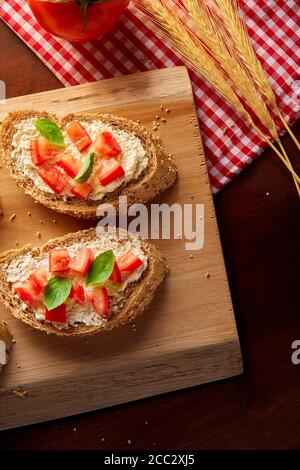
(77, 293)
(70, 164)
(41, 150)
(106, 145)
(81, 190)
(100, 301)
(58, 314)
(58, 260)
(116, 274)
(54, 178)
(78, 135)
(26, 292)
(129, 262)
(39, 280)
(82, 261)
(34, 153)
(110, 170)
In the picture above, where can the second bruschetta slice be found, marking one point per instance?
(81, 283)
(79, 162)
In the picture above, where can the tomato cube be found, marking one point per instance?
(54, 178)
(129, 262)
(110, 170)
(70, 164)
(57, 315)
(34, 152)
(41, 150)
(82, 261)
(77, 293)
(81, 190)
(78, 135)
(58, 260)
(39, 280)
(100, 301)
(106, 145)
(26, 292)
(116, 274)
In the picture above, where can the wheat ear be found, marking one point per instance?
(169, 25)
(228, 10)
(208, 33)
(162, 16)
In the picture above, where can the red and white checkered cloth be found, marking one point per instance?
(274, 27)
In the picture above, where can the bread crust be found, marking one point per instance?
(6, 336)
(159, 175)
(138, 295)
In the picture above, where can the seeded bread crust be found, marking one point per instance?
(6, 336)
(159, 175)
(137, 296)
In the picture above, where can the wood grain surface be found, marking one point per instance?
(260, 236)
(169, 349)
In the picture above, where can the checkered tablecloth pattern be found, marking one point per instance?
(273, 25)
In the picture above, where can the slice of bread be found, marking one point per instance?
(6, 337)
(159, 174)
(135, 298)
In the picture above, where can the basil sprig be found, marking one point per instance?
(101, 268)
(50, 131)
(57, 291)
(86, 169)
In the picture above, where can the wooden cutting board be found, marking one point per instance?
(187, 337)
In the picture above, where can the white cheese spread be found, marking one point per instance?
(19, 270)
(3, 358)
(133, 159)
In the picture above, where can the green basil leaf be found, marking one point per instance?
(57, 291)
(86, 169)
(50, 131)
(101, 268)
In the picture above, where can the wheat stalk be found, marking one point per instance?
(192, 34)
(205, 25)
(172, 28)
(229, 12)
(241, 48)
(205, 28)
(243, 51)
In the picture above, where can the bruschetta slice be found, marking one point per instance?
(81, 283)
(78, 162)
(6, 341)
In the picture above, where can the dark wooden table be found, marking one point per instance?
(260, 235)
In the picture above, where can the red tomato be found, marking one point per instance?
(82, 261)
(34, 152)
(100, 300)
(129, 262)
(78, 135)
(70, 164)
(39, 280)
(58, 314)
(77, 293)
(106, 145)
(26, 292)
(116, 274)
(65, 19)
(81, 190)
(58, 260)
(41, 150)
(110, 170)
(54, 178)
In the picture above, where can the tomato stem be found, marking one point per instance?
(84, 6)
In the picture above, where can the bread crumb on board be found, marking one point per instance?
(20, 392)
